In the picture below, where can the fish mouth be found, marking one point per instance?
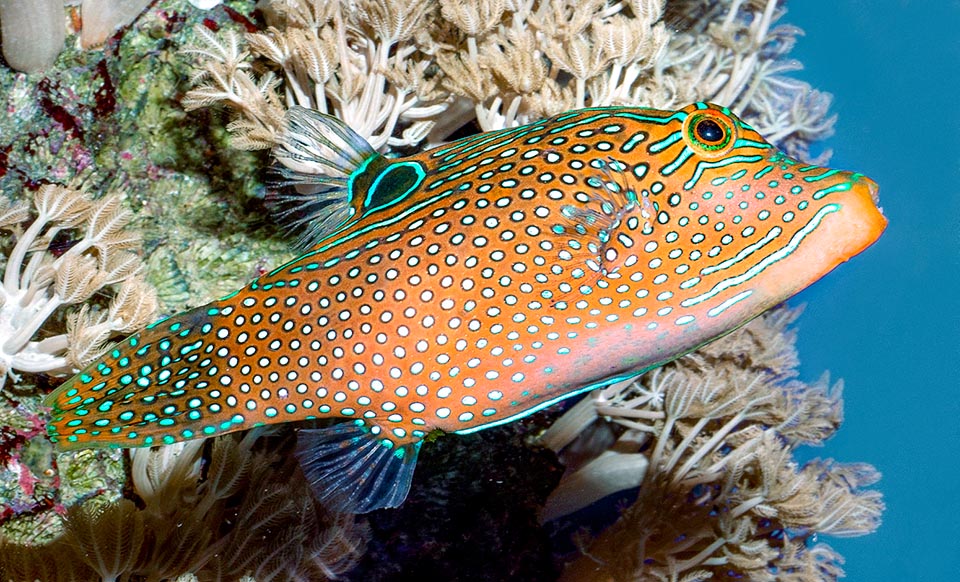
(874, 191)
(865, 187)
(863, 214)
(848, 221)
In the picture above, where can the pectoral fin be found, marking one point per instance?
(596, 228)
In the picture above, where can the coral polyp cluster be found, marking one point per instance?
(240, 510)
(710, 442)
(406, 74)
(68, 248)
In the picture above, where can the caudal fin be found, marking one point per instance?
(165, 384)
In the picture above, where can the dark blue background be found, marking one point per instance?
(887, 322)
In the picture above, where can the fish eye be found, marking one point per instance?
(710, 133)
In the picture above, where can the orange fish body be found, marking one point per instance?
(475, 283)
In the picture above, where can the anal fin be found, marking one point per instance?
(352, 470)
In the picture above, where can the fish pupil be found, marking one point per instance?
(709, 131)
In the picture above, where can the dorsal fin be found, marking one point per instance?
(317, 155)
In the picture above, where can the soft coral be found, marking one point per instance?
(38, 281)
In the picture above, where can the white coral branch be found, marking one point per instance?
(37, 283)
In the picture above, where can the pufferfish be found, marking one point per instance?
(476, 283)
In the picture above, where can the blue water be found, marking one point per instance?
(887, 322)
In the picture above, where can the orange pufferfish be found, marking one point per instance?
(475, 283)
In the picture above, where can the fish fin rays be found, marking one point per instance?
(596, 226)
(317, 155)
(352, 470)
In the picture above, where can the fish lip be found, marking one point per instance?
(867, 217)
(873, 188)
(873, 191)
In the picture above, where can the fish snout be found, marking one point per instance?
(845, 221)
(862, 208)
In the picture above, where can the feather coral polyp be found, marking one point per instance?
(37, 281)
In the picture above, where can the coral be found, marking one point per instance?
(101, 18)
(73, 248)
(108, 118)
(32, 32)
(731, 53)
(400, 73)
(720, 494)
(241, 510)
(368, 77)
(70, 284)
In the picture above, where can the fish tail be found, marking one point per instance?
(159, 386)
